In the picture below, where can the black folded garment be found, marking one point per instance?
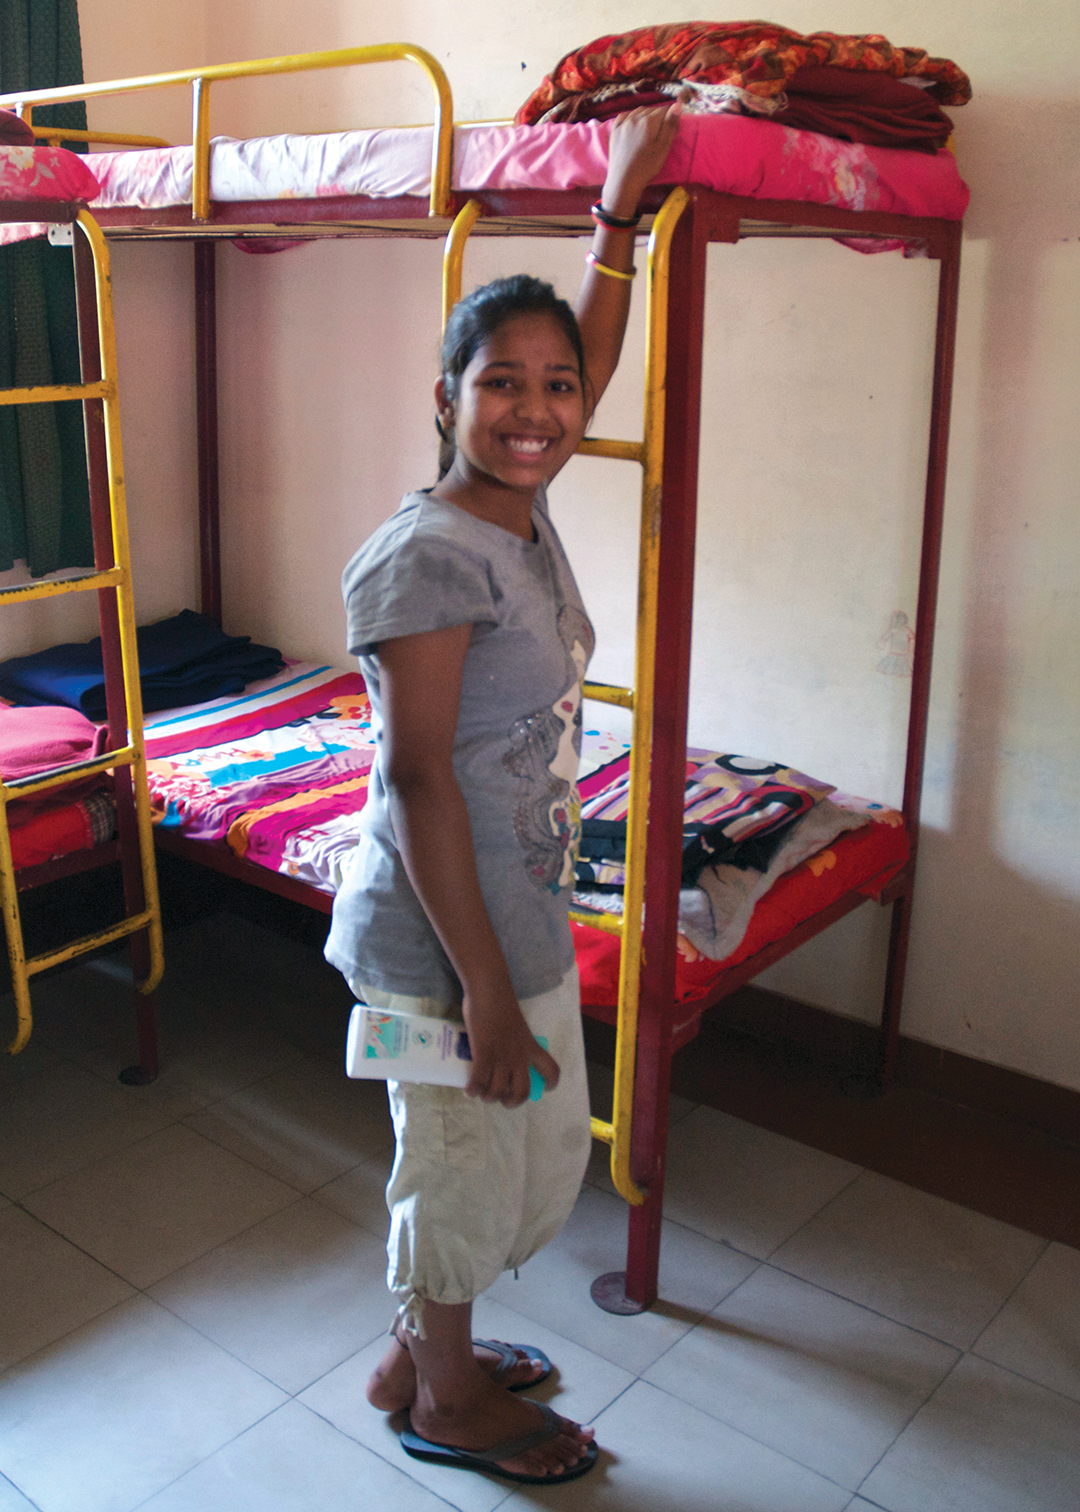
(184, 660)
(604, 840)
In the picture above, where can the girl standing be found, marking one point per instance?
(473, 642)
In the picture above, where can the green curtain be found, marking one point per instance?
(44, 499)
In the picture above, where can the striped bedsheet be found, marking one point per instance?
(280, 773)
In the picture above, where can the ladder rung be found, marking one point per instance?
(112, 577)
(621, 451)
(19, 787)
(610, 923)
(603, 1131)
(610, 694)
(53, 393)
(88, 942)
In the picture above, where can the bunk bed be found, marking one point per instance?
(659, 1000)
(69, 785)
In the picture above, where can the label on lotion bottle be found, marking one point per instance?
(385, 1045)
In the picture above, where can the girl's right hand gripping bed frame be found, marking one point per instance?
(729, 178)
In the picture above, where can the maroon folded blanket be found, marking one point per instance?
(14, 132)
(864, 107)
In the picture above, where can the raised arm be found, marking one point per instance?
(421, 693)
(640, 142)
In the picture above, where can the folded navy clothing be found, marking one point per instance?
(184, 660)
(604, 841)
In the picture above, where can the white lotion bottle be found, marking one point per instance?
(386, 1045)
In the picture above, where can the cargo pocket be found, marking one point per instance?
(466, 1125)
(440, 1126)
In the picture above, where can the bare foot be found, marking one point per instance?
(491, 1416)
(392, 1386)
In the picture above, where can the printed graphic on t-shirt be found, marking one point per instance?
(544, 751)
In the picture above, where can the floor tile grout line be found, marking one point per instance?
(218, 1145)
(217, 1344)
(921, 1407)
(220, 1448)
(1037, 1261)
(52, 1344)
(75, 1246)
(969, 1354)
(378, 1453)
(754, 1439)
(865, 1307)
(860, 1173)
(144, 1290)
(94, 1160)
(18, 1489)
(960, 1353)
(695, 1326)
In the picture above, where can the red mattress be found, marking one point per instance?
(864, 860)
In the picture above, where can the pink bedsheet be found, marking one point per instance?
(735, 154)
(732, 153)
(43, 173)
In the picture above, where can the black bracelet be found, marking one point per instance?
(612, 222)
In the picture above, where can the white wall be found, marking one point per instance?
(814, 442)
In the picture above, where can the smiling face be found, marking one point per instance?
(520, 409)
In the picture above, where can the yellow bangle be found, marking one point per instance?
(600, 267)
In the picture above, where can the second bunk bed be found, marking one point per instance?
(266, 787)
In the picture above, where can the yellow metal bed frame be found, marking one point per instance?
(648, 453)
(201, 79)
(117, 579)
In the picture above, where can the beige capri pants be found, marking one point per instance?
(477, 1188)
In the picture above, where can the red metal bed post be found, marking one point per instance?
(948, 251)
(686, 318)
(115, 700)
(206, 422)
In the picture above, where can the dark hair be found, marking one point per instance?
(477, 317)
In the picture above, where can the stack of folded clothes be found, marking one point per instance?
(746, 823)
(857, 88)
(63, 819)
(183, 660)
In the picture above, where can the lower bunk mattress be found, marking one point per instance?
(279, 775)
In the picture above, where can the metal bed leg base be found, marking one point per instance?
(609, 1292)
(145, 1069)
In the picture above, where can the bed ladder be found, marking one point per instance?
(648, 453)
(111, 579)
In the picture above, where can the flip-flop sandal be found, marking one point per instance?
(511, 1357)
(488, 1459)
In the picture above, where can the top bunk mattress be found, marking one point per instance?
(733, 154)
(389, 172)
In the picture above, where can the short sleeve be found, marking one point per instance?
(413, 585)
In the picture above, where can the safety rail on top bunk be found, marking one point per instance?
(200, 79)
(113, 557)
(649, 454)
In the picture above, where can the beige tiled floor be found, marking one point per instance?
(193, 1294)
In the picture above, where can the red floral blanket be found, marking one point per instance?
(755, 56)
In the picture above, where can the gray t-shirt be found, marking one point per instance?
(431, 566)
